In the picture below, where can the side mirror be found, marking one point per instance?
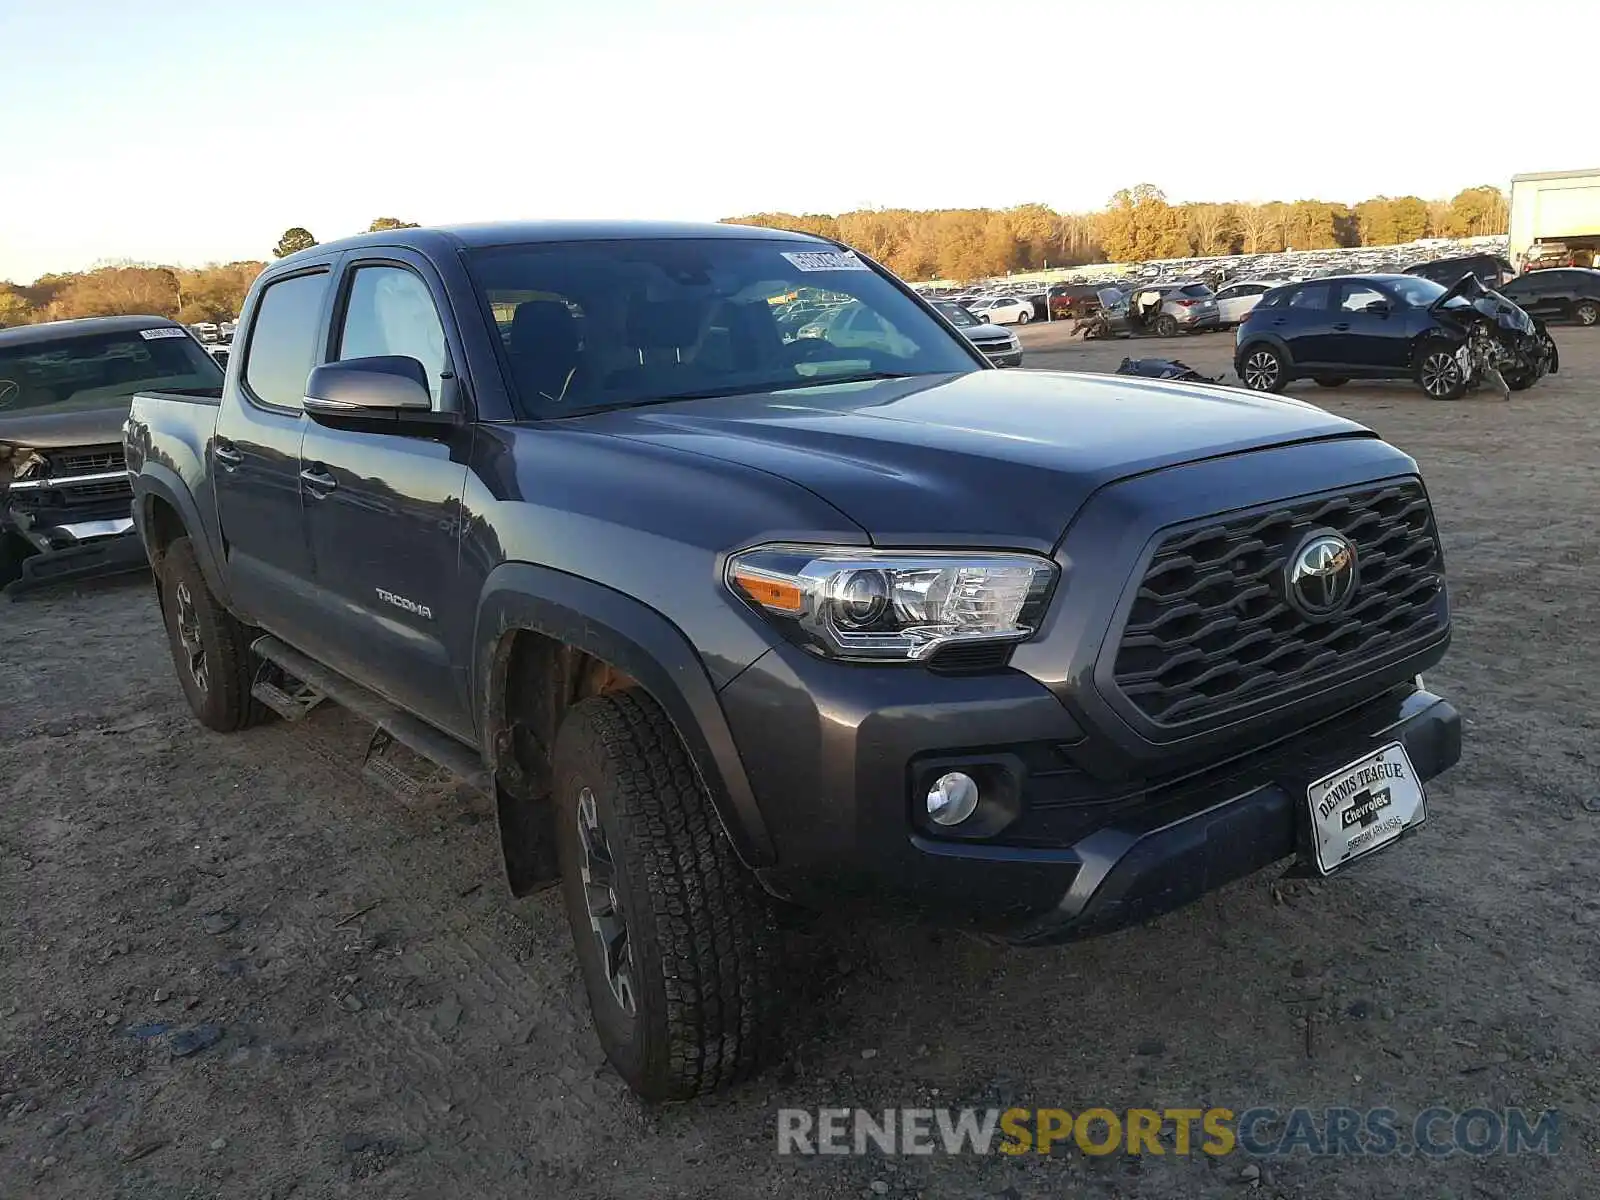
(391, 385)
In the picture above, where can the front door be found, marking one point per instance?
(1368, 331)
(255, 456)
(383, 510)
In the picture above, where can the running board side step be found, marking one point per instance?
(394, 723)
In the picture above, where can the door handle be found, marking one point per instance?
(1342, 326)
(317, 480)
(227, 455)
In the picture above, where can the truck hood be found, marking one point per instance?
(54, 430)
(22, 434)
(992, 457)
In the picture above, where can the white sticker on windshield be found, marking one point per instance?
(151, 335)
(826, 260)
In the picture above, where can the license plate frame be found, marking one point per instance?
(1363, 806)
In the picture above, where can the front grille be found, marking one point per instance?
(90, 493)
(85, 460)
(1210, 628)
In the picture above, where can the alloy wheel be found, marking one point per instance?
(607, 919)
(1588, 314)
(1441, 374)
(189, 635)
(1261, 371)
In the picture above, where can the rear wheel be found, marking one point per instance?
(1331, 381)
(1263, 370)
(210, 648)
(675, 938)
(1166, 325)
(1024, 317)
(1439, 374)
(1587, 312)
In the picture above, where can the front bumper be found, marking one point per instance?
(79, 550)
(839, 758)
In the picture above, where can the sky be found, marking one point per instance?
(187, 133)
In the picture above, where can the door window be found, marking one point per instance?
(1358, 297)
(391, 311)
(283, 340)
(1313, 296)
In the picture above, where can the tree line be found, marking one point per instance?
(960, 243)
(191, 295)
(1137, 225)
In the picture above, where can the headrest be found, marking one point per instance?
(542, 325)
(663, 324)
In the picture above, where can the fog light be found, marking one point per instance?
(953, 798)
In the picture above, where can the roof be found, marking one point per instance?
(1541, 175)
(55, 331)
(511, 233)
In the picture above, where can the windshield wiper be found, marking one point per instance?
(862, 377)
(744, 389)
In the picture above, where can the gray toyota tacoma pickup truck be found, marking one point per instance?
(724, 616)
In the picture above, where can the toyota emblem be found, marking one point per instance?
(1321, 575)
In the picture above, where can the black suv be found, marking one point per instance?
(1563, 294)
(1490, 269)
(719, 613)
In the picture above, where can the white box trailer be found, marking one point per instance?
(1554, 206)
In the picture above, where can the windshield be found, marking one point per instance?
(100, 370)
(956, 315)
(596, 325)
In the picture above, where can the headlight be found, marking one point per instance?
(891, 604)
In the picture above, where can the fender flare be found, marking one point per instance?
(633, 638)
(156, 481)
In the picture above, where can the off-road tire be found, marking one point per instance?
(1331, 380)
(701, 944)
(1586, 312)
(1166, 325)
(225, 703)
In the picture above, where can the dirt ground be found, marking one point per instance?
(231, 968)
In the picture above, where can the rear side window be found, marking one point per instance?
(282, 347)
(1313, 296)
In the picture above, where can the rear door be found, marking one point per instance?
(1304, 322)
(1367, 332)
(255, 453)
(383, 510)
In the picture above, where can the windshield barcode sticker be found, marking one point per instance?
(151, 335)
(827, 260)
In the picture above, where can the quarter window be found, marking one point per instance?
(391, 312)
(282, 346)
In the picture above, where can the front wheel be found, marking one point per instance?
(1439, 373)
(1263, 370)
(675, 938)
(210, 648)
(1587, 313)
